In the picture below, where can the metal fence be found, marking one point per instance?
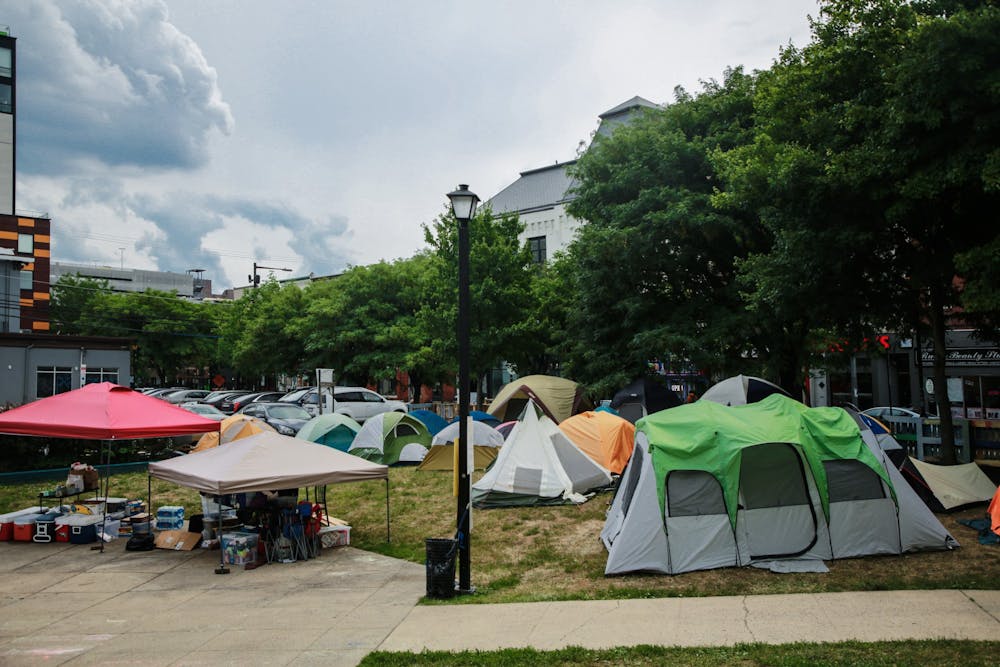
(974, 439)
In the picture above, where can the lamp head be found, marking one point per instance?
(463, 203)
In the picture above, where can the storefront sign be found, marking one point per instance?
(969, 356)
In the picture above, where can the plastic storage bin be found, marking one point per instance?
(335, 536)
(239, 548)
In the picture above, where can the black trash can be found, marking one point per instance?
(441, 567)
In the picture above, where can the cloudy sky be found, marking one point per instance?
(314, 135)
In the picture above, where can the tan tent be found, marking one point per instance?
(604, 437)
(486, 444)
(558, 398)
(263, 462)
(232, 428)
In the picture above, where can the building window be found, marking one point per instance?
(6, 98)
(102, 375)
(6, 63)
(52, 380)
(26, 280)
(537, 247)
(26, 244)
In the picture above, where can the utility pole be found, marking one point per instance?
(255, 278)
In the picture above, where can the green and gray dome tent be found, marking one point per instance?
(392, 438)
(715, 486)
(330, 429)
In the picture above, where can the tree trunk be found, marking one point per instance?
(940, 378)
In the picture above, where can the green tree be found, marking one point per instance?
(655, 265)
(75, 302)
(500, 276)
(874, 167)
(361, 322)
(261, 333)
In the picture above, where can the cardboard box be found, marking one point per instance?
(177, 540)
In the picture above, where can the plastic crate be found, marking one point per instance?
(239, 548)
(335, 536)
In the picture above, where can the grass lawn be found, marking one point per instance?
(553, 553)
(916, 653)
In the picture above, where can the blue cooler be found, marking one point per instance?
(83, 527)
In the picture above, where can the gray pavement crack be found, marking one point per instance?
(985, 610)
(746, 618)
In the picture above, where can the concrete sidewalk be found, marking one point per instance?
(709, 621)
(63, 603)
(67, 604)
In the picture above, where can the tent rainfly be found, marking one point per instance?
(233, 427)
(331, 429)
(741, 389)
(604, 437)
(643, 397)
(558, 398)
(762, 484)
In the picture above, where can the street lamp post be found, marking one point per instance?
(463, 206)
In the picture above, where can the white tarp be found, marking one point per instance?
(263, 462)
(956, 485)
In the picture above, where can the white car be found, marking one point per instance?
(883, 412)
(358, 403)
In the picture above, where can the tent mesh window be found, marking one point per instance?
(693, 493)
(632, 477)
(848, 480)
(771, 475)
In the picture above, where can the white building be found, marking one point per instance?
(539, 196)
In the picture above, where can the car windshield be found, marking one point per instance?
(293, 396)
(287, 412)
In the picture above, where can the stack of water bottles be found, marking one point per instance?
(170, 517)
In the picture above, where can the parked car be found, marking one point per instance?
(358, 403)
(241, 402)
(207, 411)
(286, 418)
(228, 402)
(881, 413)
(222, 396)
(159, 393)
(185, 396)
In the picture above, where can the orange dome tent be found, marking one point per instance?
(232, 428)
(606, 438)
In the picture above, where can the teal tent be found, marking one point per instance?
(333, 430)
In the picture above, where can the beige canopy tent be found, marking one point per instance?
(268, 461)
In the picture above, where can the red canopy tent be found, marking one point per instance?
(103, 411)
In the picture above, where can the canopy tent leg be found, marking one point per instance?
(388, 539)
(222, 569)
(107, 489)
